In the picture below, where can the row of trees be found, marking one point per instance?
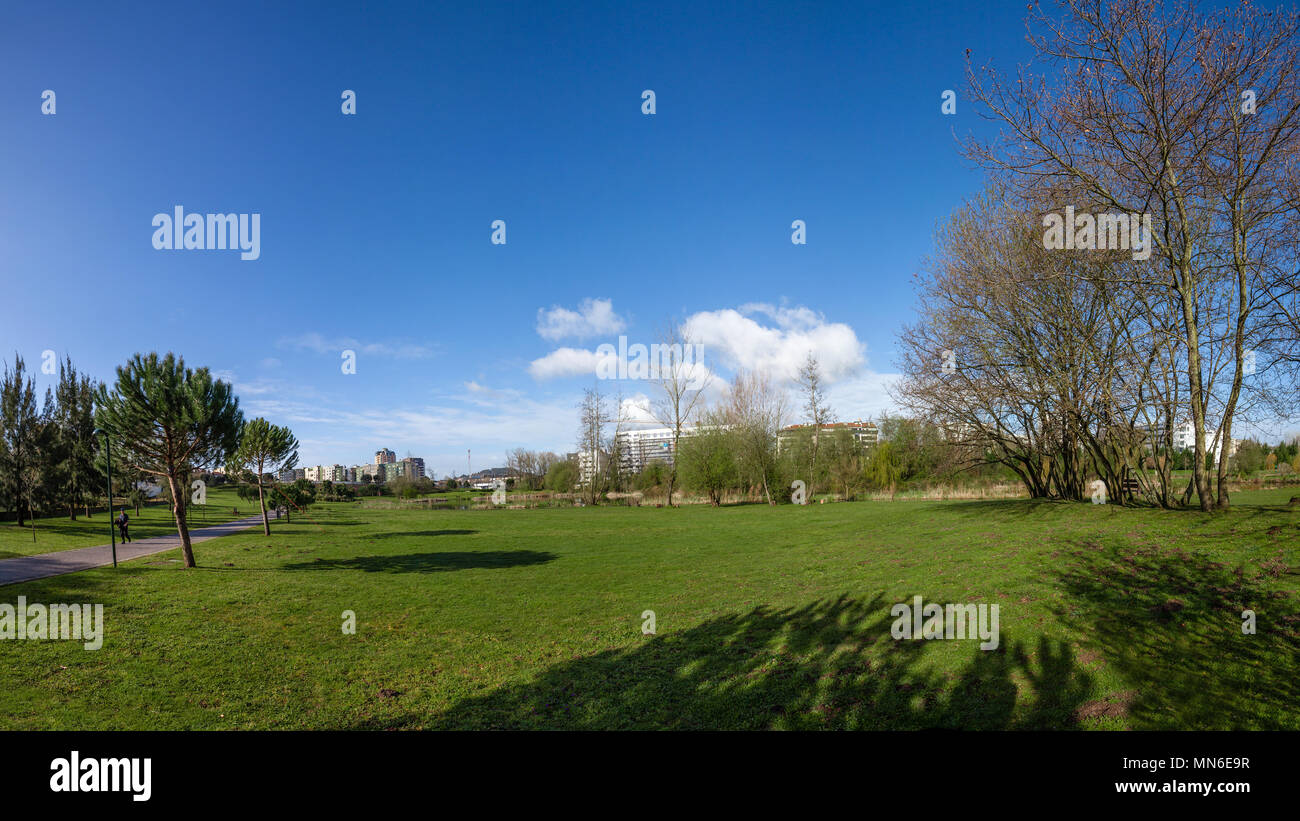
(724, 460)
(1064, 365)
(48, 452)
(158, 419)
(528, 469)
(733, 447)
(1253, 456)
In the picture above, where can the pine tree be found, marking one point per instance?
(169, 420)
(75, 430)
(20, 433)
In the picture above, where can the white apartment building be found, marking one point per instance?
(638, 448)
(864, 433)
(1185, 438)
(591, 463)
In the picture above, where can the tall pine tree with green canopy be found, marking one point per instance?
(264, 448)
(74, 419)
(169, 420)
(20, 437)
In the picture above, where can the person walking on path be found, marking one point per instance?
(123, 521)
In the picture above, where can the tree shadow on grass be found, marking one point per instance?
(1170, 622)
(430, 562)
(1005, 509)
(827, 665)
(400, 533)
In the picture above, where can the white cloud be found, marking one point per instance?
(741, 338)
(565, 362)
(778, 349)
(594, 317)
(759, 337)
(313, 341)
(636, 410)
(862, 397)
(244, 388)
(483, 395)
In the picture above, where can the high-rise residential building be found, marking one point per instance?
(591, 463)
(638, 448)
(414, 467)
(385, 457)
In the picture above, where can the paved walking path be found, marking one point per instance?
(26, 568)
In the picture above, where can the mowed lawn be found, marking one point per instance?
(155, 519)
(766, 618)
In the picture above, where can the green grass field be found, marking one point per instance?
(779, 617)
(61, 533)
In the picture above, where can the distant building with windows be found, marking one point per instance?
(414, 467)
(591, 464)
(638, 448)
(378, 471)
(1185, 439)
(865, 434)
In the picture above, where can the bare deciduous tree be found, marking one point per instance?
(755, 410)
(1192, 118)
(817, 409)
(682, 380)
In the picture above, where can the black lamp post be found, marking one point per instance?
(108, 464)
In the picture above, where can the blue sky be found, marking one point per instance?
(375, 228)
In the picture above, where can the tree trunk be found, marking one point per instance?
(266, 522)
(1195, 386)
(178, 510)
(1167, 467)
(677, 454)
(1230, 407)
